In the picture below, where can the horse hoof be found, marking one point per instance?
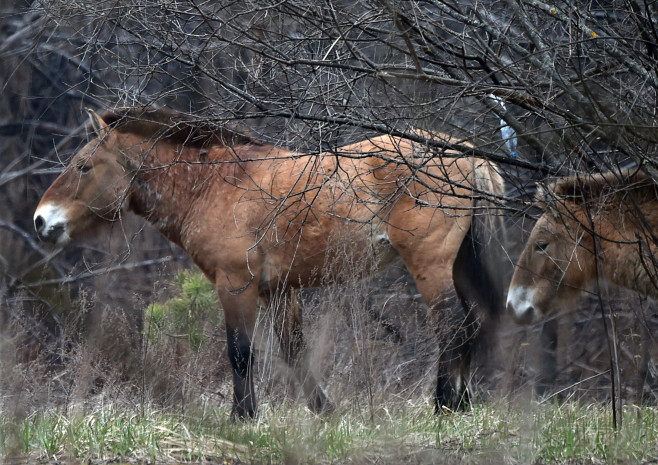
(240, 414)
(327, 408)
(321, 406)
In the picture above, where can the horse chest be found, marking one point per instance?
(209, 244)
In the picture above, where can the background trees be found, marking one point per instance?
(576, 82)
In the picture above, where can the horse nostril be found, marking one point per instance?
(526, 315)
(522, 314)
(39, 223)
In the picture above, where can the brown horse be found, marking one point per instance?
(599, 226)
(260, 221)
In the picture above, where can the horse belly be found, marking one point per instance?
(346, 254)
(383, 252)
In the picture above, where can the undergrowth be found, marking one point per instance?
(284, 434)
(192, 423)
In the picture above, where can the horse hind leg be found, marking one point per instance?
(456, 332)
(288, 326)
(455, 326)
(478, 302)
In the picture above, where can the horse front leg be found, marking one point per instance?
(288, 327)
(546, 382)
(241, 356)
(240, 312)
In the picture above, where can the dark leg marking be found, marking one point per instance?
(241, 357)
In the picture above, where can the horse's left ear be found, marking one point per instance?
(100, 127)
(545, 198)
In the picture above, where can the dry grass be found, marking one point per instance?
(371, 346)
(283, 434)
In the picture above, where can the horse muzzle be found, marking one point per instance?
(521, 306)
(51, 225)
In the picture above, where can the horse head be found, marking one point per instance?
(90, 191)
(556, 264)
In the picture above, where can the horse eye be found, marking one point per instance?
(541, 246)
(84, 168)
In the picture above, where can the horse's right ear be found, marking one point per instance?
(100, 127)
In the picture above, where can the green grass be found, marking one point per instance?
(494, 433)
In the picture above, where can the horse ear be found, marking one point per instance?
(542, 191)
(545, 198)
(100, 127)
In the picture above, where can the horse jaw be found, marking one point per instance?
(521, 305)
(51, 224)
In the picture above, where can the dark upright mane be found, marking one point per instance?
(588, 188)
(180, 128)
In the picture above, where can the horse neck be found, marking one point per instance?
(626, 260)
(166, 182)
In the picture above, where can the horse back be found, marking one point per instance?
(290, 215)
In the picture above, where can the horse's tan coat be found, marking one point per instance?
(259, 219)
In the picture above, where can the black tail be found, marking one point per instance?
(480, 274)
(482, 270)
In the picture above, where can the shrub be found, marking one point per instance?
(188, 315)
